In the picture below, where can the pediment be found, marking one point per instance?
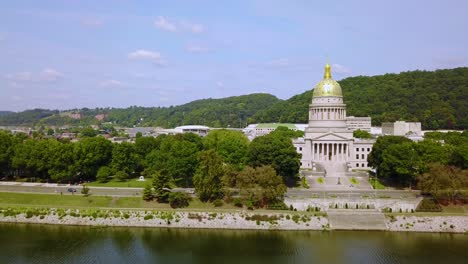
(331, 136)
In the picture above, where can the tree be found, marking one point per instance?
(124, 158)
(88, 132)
(375, 158)
(147, 193)
(441, 181)
(232, 146)
(401, 163)
(103, 174)
(90, 154)
(178, 157)
(261, 185)
(361, 134)
(277, 151)
(162, 186)
(179, 199)
(207, 179)
(121, 175)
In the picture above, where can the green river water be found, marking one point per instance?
(22, 243)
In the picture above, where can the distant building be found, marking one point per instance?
(402, 128)
(358, 123)
(256, 130)
(199, 130)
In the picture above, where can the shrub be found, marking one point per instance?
(148, 217)
(278, 205)
(85, 190)
(179, 199)
(429, 205)
(148, 193)
(103, 174)
(218, 203)
(121, 176)
(237, 202)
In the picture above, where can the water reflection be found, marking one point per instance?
(64, 244)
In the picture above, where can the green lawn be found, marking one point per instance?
(132, 183)
(320, 180)
(354, 181)
(9, 199)
(376, 184)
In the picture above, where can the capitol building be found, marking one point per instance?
(328, 146)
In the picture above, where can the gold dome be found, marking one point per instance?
(327, 86)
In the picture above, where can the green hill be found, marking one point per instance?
(438, 99)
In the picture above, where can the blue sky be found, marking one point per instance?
(68, 54)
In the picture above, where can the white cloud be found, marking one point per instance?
(163, 24)
(340, 69)
(196, 48)
(46, 75)
(112, 84)
(142, 54)
(50, 75)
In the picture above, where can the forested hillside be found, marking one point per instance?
(437, 99)
(225, 112)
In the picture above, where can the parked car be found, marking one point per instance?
(72, 190)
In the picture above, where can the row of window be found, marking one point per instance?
(362, 149)
(362, 165)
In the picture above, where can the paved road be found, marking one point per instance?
(110, 191)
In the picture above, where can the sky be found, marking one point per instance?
(119, 53)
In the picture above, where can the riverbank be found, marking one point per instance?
(222, 220)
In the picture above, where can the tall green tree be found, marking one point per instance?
(261, 185)
(401, 163)
(162, 186)
(208, 177)
(232, 146)
(124, 158)
(277, 151)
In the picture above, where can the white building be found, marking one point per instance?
(256, 130)
(359, 123)
(328, 145)
(401, 128)
(199, 130)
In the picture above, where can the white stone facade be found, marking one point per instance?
(401, 128)
(359, 123)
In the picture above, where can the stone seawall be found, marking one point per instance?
(231, 220)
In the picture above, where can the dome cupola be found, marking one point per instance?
(327, 86)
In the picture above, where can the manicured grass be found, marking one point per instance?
(50, 200)
(320, 180)
(459, 209)
(376, 184)
(131, 183)
(354, 181)
(9, 199)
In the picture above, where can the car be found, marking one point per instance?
(72, 190)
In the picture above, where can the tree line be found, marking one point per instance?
(438, 165)
(224, 159)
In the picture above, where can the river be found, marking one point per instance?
(23, 243)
